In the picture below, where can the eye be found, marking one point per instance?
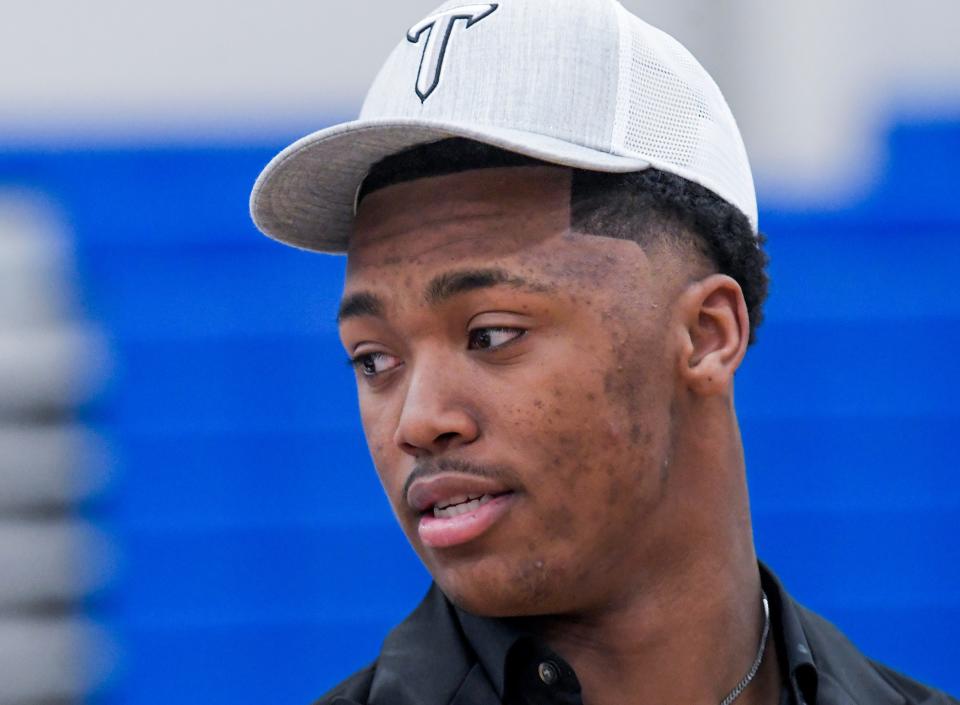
(489, 338)
(374, 363)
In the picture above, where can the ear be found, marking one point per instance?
(715, 331)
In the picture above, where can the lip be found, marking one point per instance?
(442, 532)
(426, 492)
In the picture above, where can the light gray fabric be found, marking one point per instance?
(527, 66)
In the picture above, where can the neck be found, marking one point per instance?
(682, 650)
(691, 630)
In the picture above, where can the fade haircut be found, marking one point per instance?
(650, 207)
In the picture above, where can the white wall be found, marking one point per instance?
(811, 82)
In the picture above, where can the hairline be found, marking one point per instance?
(669, 226)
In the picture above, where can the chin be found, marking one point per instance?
(484, 604)
(524, 590)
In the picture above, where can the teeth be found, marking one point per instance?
(459, 499)
(455, 506)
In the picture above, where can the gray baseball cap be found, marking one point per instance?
(579, 83)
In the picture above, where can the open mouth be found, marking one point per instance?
(456, 506)
(461, 519)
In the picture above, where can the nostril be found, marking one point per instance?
(444, 439)
(411, 449)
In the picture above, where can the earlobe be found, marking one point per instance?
(715, 336)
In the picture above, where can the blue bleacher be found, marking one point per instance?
(261, 561)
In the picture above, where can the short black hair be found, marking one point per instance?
(648, 207)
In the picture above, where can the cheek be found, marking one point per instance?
(579, 441)
(597, 438)
(378, 427)
(374, 427)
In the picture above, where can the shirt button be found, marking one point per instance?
(548, 672)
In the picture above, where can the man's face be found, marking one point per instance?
(516, 384)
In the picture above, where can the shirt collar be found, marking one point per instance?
(796, 656)
(493, 640)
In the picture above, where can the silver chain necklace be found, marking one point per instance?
(742, 685)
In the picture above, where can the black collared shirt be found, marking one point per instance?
(440, 655)
(524, 671)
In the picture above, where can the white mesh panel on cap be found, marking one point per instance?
(671, 113)
(663, 112)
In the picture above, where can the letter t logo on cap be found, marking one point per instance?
(439, 28)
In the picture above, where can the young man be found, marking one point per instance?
(553, 273)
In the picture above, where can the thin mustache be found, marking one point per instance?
(429, 468)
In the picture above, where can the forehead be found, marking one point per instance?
(516, 220)
(478, 215)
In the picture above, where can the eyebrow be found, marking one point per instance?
(440, 289)
(362, 303)
(449, 284)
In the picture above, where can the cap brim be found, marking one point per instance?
(305, 196)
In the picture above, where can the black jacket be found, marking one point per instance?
(426, 660)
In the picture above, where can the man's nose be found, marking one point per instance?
(435, 416)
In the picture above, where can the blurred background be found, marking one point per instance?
(187, 510)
